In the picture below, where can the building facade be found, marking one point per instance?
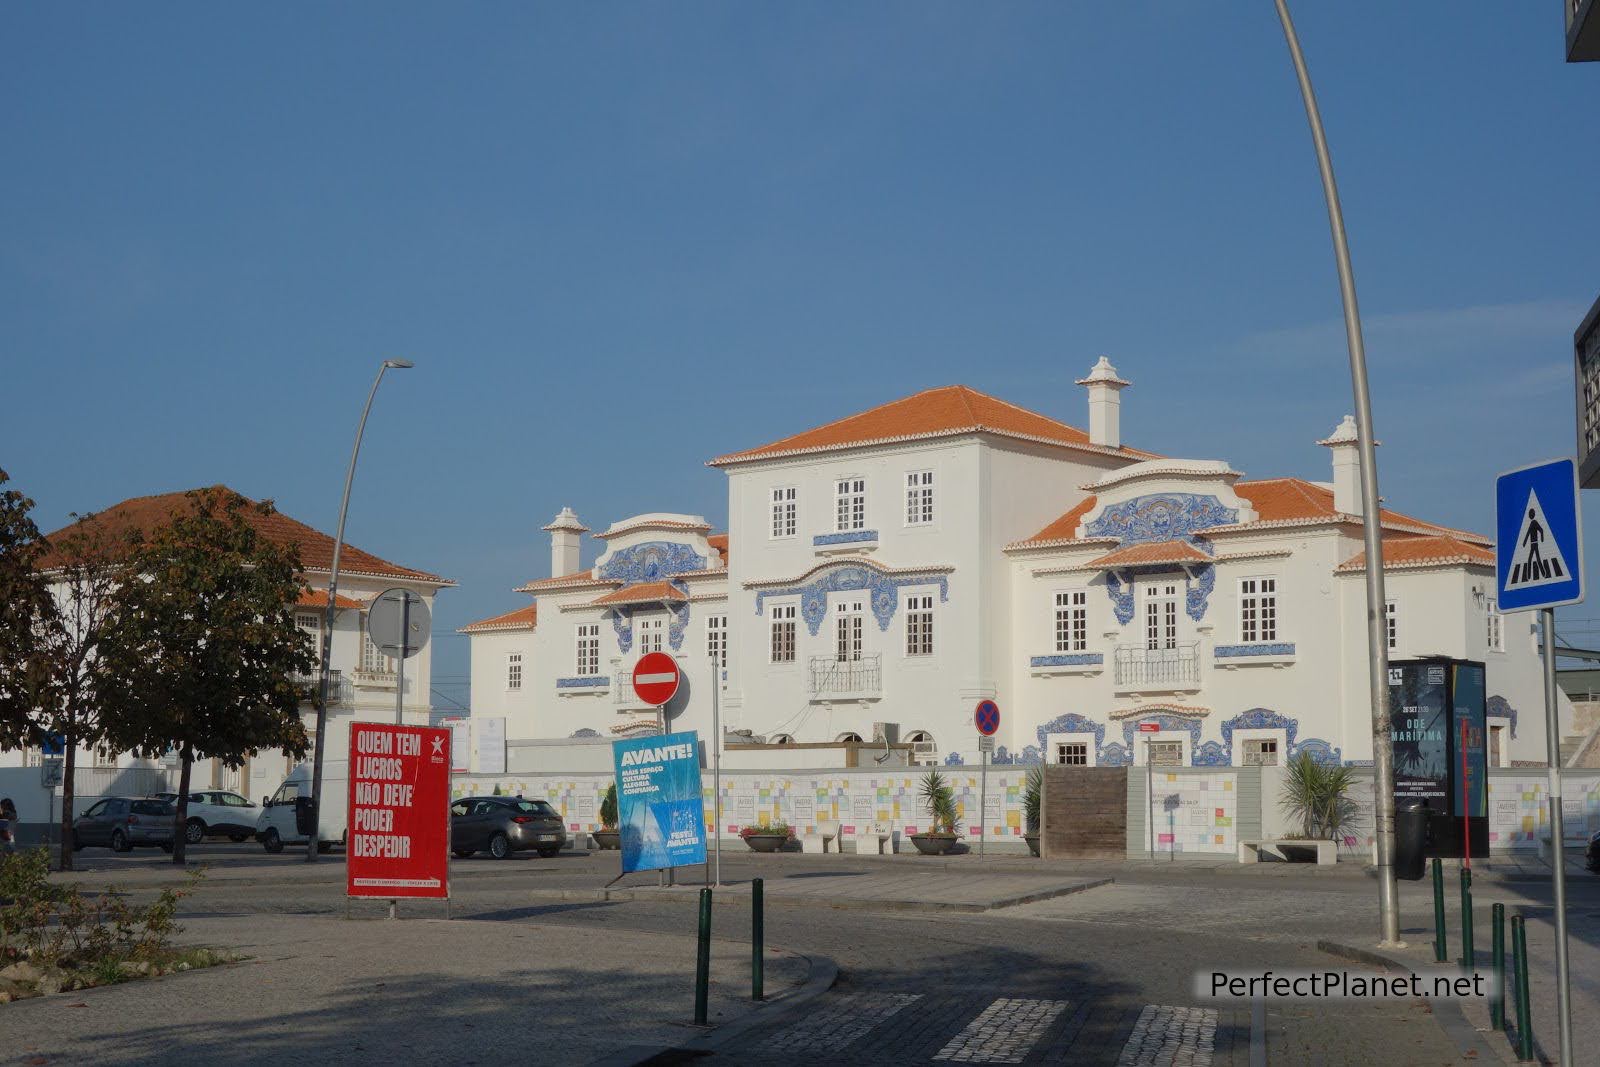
(883, 573)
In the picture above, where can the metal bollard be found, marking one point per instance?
(758, 940)
(1469, 960)
(702, 960)
(1497, 949)
(1441, 950)
(1519, 951)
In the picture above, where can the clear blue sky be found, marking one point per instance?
(619, 240)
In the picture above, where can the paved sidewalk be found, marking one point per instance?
(325, 990)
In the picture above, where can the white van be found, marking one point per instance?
(286, 814)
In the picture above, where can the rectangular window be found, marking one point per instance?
(514, 670)
(919, 625)
(1496, 634)
(919, 498)
(784, 505)
(372, 660)
(1261, 752)
(1161, 616)
(848, 628)
(783, 633)
(1166, 753)
(1073, 753)
(1072, 620)
(1391, 621)
(588, 664)
(651, 632)
(311, 624)
(717, 639)
(850, 504)
(1258, 610)
(104, 757)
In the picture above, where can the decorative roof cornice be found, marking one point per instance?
(847, 561)
(738, 458)
(1160, 708)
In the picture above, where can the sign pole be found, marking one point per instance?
(1150, 796)
(400, 667)
(716, 769)
(1466, 801)
(1552, 727)
(983, 797)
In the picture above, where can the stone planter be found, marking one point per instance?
(767, 842)
(607, 840)
(935, 844)
(1033, 842)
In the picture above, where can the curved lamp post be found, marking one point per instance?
(1372, 529)
(327, 615)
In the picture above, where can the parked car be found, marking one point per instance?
(215, 812)
(122, 823)
(503, 825)
(1591, 855)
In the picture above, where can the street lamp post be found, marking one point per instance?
(327, 615)
(1377, 622)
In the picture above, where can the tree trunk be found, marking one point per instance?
(69, 765)
(180, 835)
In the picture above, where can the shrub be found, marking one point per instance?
(608, 808)
(1314, 795)
(1032, 794)
(939, 800)
(747, 832)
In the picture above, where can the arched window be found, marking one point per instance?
(849, 736)
(781, 739)
(924, 751)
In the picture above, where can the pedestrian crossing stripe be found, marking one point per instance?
(1537, 558)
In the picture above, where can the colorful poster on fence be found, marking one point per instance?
(660, 810)
(398, 831)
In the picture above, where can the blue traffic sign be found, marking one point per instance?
(54, 745)
(1538, 537)
(987, 717)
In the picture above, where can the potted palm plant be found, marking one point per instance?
(939, 801)
(770, 838)
(608, 836)
(1032, 793)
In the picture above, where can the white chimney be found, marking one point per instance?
(1105, 406)
(1345, 443)
(565, 532)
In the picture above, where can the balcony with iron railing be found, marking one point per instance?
(832, 678)
(1157, 670)
(339, 688)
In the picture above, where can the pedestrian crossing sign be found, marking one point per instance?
(1538, 537)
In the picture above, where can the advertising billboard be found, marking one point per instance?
(398, 842)
(660, 808)
(1420, 729)
(1437, 710)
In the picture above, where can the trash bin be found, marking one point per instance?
(1410, 839)
(302, 816)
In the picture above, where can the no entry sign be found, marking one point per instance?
(987, 717)
(655, 678)
(398, 830)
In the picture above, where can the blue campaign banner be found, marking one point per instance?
(660, 809)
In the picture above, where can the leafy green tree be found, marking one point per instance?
(85, 566)
(201, 650)
(27, 615)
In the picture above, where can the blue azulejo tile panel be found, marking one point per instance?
(1272, 648)
(845, 537)
(1068, 659)
(585, 682)
(651, 561)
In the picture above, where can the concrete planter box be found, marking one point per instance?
(767, 842)
(607, 840)
(935, 844)
(1290, 850)
(1033, 842)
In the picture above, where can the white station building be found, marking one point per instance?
(883, 573)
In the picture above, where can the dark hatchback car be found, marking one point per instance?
(503, 825)
(121, 823)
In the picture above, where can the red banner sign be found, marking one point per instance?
(398, 833)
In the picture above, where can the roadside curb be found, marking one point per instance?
(1452, 1020)
(822, 974)
(684, 894)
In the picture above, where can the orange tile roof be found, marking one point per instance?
(524, 618)
(720, 543)
(946, 411)
(1290, 499)
(1152, 552)
(643, 593)
(1066, 527)
(1426, 551)
(143, 514)
(575, 580)
(319, 599)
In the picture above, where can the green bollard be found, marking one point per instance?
(702, 961)
(1441, 950)
(1469, 960)
(758, 939)
(1519, 951)
(1497, 948)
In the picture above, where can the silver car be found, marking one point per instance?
(121, 823)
